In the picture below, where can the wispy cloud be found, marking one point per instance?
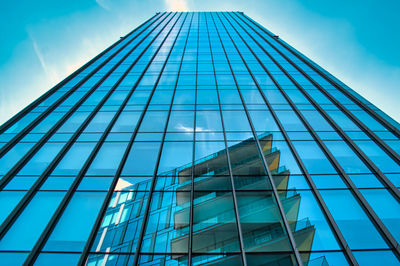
(103, 4)
(50, 73)
(176, 5)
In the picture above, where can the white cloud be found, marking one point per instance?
(103, 4)
(176, 5)
(183, 128)
(50, 72)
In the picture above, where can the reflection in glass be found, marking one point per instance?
(215, 227)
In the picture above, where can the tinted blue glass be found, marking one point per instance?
(181, 121)
(99, 122)
(351, 218)
(387, 208)
(229, 97)
(378, 157)
(23, 235)
(376, 257)
(13, 156)
(74, 159)
(48, 122)
(207, 70)
(346, 157)
(17, 258)
(74, 226)
(316, 120)
(175, 155)
(22, 123)
(8, 200)
(290, 121)
(341, 119)
(313, 158)
(263, 121)
(207, 97)
(208, 121)
(126, 122)
(73, 122)
(21, 183)
(62, 259)
(235, 121)
(311, 215)
(107, 159)
(142, 159)
(39, 162)
(154, 121)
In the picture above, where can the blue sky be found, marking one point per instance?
(43, 41)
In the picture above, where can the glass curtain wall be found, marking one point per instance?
(200, 138)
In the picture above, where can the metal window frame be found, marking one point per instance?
(63, 205)
(47, 94)
(52, 107)
(18, 209)
(331, 222)
(384, 232)
(270, 178)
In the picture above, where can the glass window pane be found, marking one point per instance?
(313, 157)
(167, 229)
(370, 258)
(387, 208)
(208, 121)
(41, 160)
(107, 159)
(12, 156)
(214, 223)
(121, 224)
(8, 200)
(261, 222)
(350, 218)
(61, 258)
(74, 226)
(73, 161)
(235, 121)
(30, 224)
(126, 122)
(175, 156)
(141, 159)
(350, 162)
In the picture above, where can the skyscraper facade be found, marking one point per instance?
(200, 138)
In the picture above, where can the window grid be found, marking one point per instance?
(188, 110)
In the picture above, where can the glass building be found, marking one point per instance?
(200, 139)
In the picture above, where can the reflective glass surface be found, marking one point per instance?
(200, 138)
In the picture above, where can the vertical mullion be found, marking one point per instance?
(60, 210)
(51, 108)
(18, 165)
(381, 176)
(275, 192)
(35, 103)
(338, 235)
(239, 227)
(108, 197)
(43, 177)
(190, 243)
(365, 107)
(154, 178)
(384, 232)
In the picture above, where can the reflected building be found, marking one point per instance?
(200, 138)
(214, 226)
